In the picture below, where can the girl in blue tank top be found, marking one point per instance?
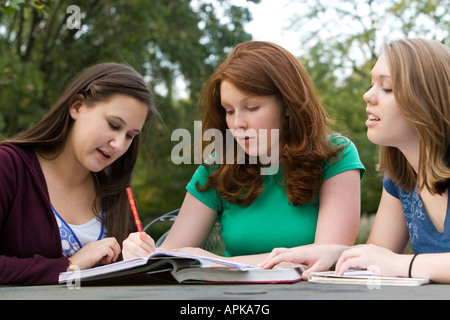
(408, 108)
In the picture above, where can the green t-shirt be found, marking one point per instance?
(271, 221)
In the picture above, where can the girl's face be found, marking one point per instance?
(102, 133)
(386, 124)
(255, 121)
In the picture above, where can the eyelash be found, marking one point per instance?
(112, 126)
(116, 128)
(248, 108)
(385, 90)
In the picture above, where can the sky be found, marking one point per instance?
(270, 21)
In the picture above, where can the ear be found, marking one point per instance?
(76, 108)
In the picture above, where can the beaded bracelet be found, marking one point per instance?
(70, 268)
(410, 264)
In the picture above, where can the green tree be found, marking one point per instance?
(44, 44)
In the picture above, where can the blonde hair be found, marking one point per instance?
(420, 71)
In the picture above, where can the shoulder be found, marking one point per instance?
(348, 158)
(209, 196)
(19, 155)
(342, 141)
(9, 154)
(15, 150)
(391, 187)
(202, 173)
(11, 166)
(16, 161)
(348, 149)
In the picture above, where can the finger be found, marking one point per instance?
(347, 254)
(112, 247)
(141, 249)
(133, 250)
(116, 252)
(108, 256)
(140, 243)
(115, 249)
(144, 237)
(314, 268)
(269, 262)
(339, 264)
(285, 257)
(350, 263)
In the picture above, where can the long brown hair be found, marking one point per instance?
(420, 72)
(48, 136)
(266, 69)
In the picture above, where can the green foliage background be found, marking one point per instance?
(169, 40)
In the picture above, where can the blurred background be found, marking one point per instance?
(176, 45)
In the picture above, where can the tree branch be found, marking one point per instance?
(32, 36)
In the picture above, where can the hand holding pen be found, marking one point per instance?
(138, 244)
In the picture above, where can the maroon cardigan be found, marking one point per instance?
(30, 245)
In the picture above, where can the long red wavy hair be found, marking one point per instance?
(266, 69)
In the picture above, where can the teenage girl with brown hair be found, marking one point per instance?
(63, 182)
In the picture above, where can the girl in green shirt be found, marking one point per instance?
(309, 191)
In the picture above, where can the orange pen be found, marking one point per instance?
(134, 210)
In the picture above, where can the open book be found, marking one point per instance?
(170, 267)
(364, 277)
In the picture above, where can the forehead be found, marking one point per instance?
(228, 92)
(129, 110)
(228, 86)
(381, 68)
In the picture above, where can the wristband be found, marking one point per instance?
(411, 264)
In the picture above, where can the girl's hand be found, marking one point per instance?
(138, 244)
(315, 257)
(103, 251)
(380, 260)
